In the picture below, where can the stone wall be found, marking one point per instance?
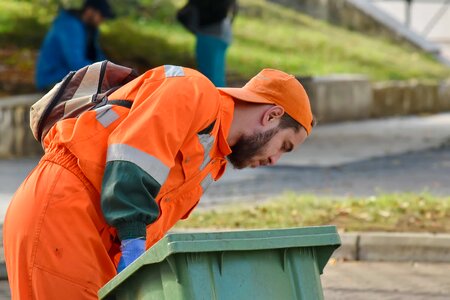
(353, 97)
(339, 97)
(334, 98)
(16, 138)
(410, 97)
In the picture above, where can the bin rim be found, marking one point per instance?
(226, 241)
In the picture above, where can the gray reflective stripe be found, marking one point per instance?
(90, 81)
(173, 71)
(206, 182)
(207, 142)
(105, 115)
(150, 164)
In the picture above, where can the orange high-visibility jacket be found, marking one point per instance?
(139, 169)
(160, 155)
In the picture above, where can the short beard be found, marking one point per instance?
(247, 147)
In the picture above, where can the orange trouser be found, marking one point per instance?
(57, 245)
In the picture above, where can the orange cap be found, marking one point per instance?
(276, 87)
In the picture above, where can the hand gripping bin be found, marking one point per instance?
(279, 264)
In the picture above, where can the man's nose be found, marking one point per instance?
(274, 158)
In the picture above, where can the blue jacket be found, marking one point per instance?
(64, 49)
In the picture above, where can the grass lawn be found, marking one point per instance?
(384, 212)
(270, 35)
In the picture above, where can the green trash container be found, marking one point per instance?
(257, 264)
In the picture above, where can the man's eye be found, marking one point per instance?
(287, 148)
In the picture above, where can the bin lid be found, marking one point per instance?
(247, 240)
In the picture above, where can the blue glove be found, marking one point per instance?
(131, 250)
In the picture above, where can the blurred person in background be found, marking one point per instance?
(211, 22)
(71, 43)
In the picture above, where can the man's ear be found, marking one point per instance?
(272, 114)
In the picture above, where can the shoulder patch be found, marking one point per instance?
(173, 71)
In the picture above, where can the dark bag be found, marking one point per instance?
(189, 17)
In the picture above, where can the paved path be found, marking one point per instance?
(421, 171)
(12, 173)
(4, 290)
(407, 154)
(386, 281)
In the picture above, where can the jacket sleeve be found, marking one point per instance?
(72, 40)
(142, 149)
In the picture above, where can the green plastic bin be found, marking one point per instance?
(257, 264)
